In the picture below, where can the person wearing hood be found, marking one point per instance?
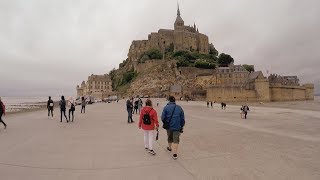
(2, 112)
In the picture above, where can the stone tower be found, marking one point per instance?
(179, 23)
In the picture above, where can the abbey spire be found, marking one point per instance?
(179, 21)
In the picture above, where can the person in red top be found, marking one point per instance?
(2, 112)
(149, 123)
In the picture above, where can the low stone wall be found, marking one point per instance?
(230, 94)
(288, 93)
(192, 72)
(148, 64)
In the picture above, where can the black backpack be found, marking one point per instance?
(147, 118)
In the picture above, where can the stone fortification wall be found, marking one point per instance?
(262, 92)
(230, 94)
(193, 72)
(140, 67)
(289, 93)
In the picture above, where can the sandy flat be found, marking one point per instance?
(274, 143)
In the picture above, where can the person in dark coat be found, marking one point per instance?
(129, 110)
(50, 105)
(63, 104)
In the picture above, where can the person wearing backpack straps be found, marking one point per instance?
(149, 123)
(173, 121)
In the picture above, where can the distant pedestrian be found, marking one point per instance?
(207, 104)
(149, 123)
(50, 105)
(223, 105)
(136, 106)
(72, 108)
(245, 110)
(157, 102)
(2, 112)
(140, 104)
(129, 110)
(241, 112)
(211, 104)
(173, 121)
(63, 104)
(83, 105)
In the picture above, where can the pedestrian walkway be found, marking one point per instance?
(216, 144)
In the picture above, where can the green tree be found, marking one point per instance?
(225, 59)
(213, 51)
(204, 64)
(249, 68)
(128, 77)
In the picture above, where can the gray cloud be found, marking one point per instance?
(48, 47)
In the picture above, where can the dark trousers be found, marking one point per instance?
(63, 111)
(5, 125)
(135, 110)
(245, 114)
(50, 110)
(83, 108)
(130, 120)
(72, 113)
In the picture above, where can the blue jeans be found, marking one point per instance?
(129, 115)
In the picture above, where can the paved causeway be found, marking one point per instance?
(274, 143)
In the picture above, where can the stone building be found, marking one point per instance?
(98, 86)
(181, 38)
(231, 75)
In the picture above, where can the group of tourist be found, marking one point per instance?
(133, 106)
(243, 110)
(173, 121)
(63, 104)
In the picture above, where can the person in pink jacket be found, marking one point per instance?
(149, 123)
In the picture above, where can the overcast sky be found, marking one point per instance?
(48, 47)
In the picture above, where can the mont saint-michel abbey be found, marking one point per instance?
(182, 38)
(223, 82)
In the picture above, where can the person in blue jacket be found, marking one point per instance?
(173, 121)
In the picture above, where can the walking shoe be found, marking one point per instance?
(152, 152)
(175, 156)
(169, 149)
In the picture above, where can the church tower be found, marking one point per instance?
(179, 23)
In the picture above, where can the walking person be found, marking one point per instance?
(241, 112)
(72, 108)
(207, 104)
(50, 105)
(83, 105)
(2, 112)
(245, 110)
(129, 110)
(173, 121)
(149, 123)
(62, 105)
(140, 104)
(211, 104)
(136, 104)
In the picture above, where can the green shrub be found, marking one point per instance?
(204, 64)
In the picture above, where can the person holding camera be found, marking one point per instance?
(173, 121)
